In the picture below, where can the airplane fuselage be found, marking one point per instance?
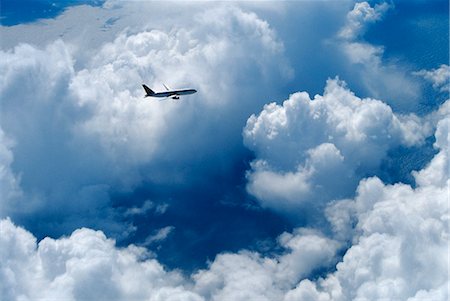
(175, 94)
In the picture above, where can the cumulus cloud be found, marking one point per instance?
(210, 62)
(75, 128)
(87, 132)
(399, 242)
(87, 265)
(38, 113)
(319, 149)
(83, 266)
(361, 15)
(250, 276)
(398, 247)
(94, 131)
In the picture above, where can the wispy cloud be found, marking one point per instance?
(158, 235)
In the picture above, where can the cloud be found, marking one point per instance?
(159, 235)
(107, 135)
(361, 15)
(210, 62)
(9, 182)
(316, 150)
(87, 265)
(399, 239)
(83, 266)
(42, 134)
(87, 132)
(249, 276)
(439, 77)
(145, 208)
(377, 75)
(75, 133)
(437, 172)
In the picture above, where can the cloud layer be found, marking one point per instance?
(80, 149)
(399, 247)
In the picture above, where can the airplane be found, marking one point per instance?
(174, 94)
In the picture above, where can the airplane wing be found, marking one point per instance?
(165, 94)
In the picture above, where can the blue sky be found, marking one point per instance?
(24, 11)
(315, 149)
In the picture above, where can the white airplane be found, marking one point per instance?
(174, 94)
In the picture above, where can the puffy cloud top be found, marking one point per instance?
(84, 266)
(398, 238)
(400, 242)
(87, 265)
(87, 132)
(362, 14)
(320, 148)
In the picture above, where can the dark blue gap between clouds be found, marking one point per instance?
(415, 34)
(209, 217)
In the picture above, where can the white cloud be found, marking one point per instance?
(96, 132)
(249, 276)
(9, 182)
(319, 149)
(87, 131)
(159, 235)
(87, 265)
(399, 250)
(437, 172)
(398, 238)
(400, 241)
(38, 114)
(380, 78)
(361, 15)
(146, 206)
(440, 77)
(211, 62)
(84, 266)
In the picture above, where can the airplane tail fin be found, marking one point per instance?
(148, 90)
